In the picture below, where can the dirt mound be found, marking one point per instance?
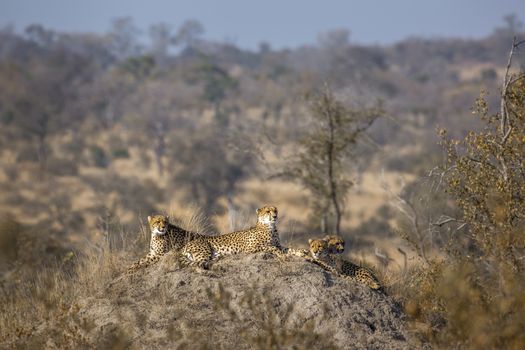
(244, 301)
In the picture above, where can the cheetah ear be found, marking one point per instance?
(167, 218)
(310, 241)
(258, 211)
(149, 218)
(327, 237)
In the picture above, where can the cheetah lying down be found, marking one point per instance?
(200, 250)
(320, 252)
(263, 237)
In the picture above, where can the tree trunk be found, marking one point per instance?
(40, 129)
(333, 187)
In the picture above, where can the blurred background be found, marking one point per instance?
(112, 112)
(206, 110)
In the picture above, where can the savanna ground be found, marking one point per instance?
(98, 132)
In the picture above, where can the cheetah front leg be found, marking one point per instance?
(197, 253)
(324, 265)
(302, 253)
(203, 264)
(279, 253)
(144, 262)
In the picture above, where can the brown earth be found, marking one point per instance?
(243, 302)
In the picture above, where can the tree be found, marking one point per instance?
(152, 113)
(123, 38)
(211, 170)
(42, 88)
(319, 165)
(513, 24)
(161, 39)
(217, 85)
(139, 66)
(188, 34)
(334, 39)
(39, 35)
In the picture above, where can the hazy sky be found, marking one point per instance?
(279, 22)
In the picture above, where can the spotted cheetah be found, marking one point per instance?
(336, 244)
(263, 237)
(320, 253)
(164, 237)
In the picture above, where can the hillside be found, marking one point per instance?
(243, 302)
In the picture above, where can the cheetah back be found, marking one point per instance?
(261, 237)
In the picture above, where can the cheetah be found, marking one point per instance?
(336, 244)
(263, 237)
(164, 237)
(319, 250)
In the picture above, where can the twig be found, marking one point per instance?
(506, 83)
(506, 136)
(444, 219)
(503, 109)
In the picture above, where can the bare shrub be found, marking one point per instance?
(473, 298)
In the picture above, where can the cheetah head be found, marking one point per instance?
(267, 215)
(318, 248)
(336, 244)
(158, 224)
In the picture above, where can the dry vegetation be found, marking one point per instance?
(99, 131)
(472, 295)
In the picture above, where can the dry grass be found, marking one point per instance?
(455, 305)
(40, 287)
(190, 217)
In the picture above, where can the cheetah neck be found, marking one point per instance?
(269, 227)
